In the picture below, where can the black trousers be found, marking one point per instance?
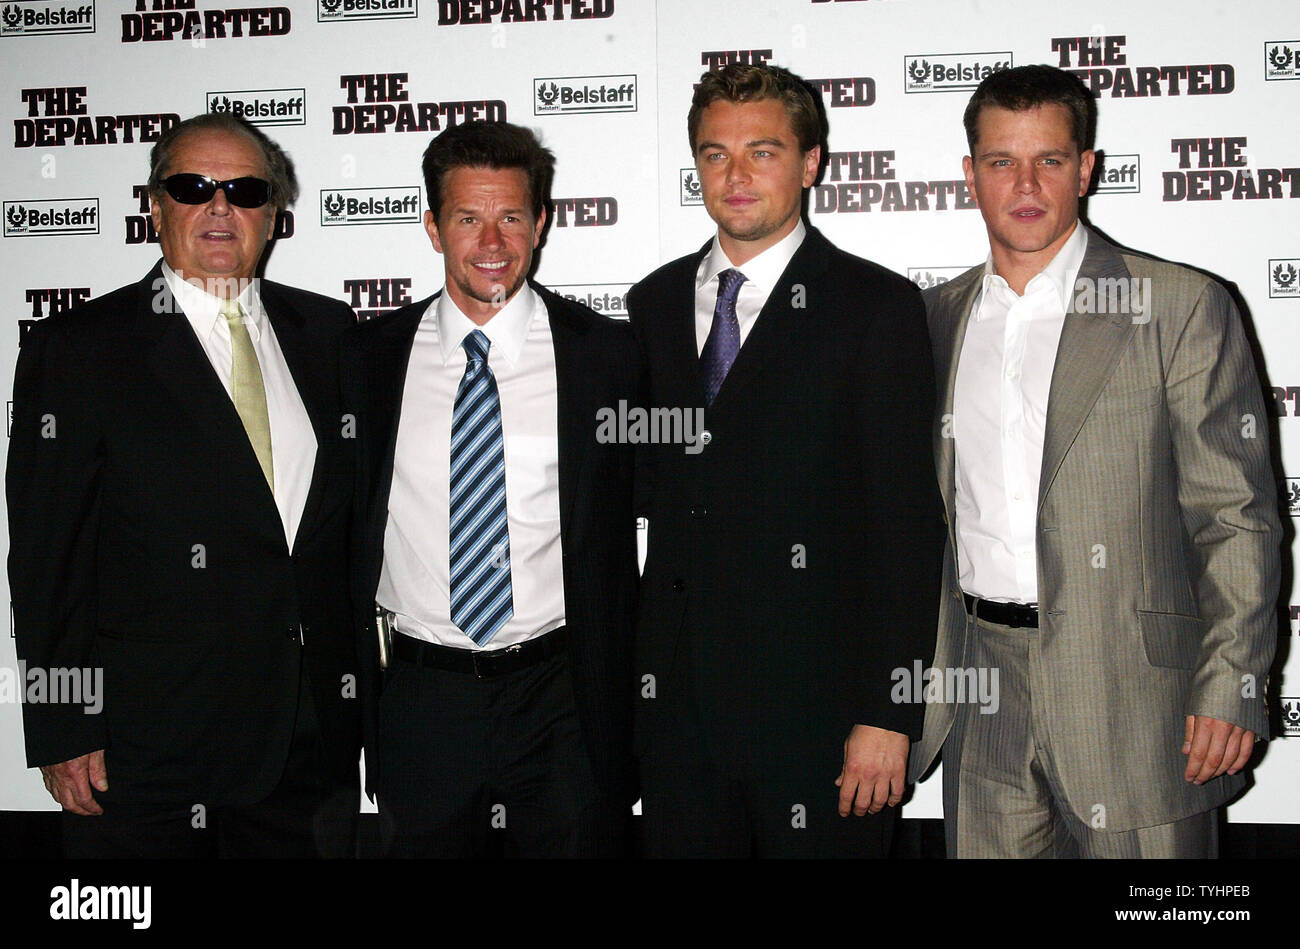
(734, 770)
(474, 767)
(310, 813)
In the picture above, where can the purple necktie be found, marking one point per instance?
(724, 336)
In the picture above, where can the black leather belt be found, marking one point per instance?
(482, 663)
(1015, 615)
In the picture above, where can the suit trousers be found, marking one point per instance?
(1002, 793)
(308, 814)
(730, 774)
(497, 766)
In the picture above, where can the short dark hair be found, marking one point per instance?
(1026, 87)
(276, 165)
(489, 145)
(739, 82)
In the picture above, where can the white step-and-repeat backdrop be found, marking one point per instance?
(1197, 103)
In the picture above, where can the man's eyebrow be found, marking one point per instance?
(752, 143)
(464, 209)
(1047, 153)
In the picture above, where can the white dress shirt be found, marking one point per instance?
(413, 584)
(999, 415)
(761, 274)
(293, 441)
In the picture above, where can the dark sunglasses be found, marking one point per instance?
(199, 189)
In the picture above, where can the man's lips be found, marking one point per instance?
(739, 200)
(218, 235)
(493, 268)
(1028, 213)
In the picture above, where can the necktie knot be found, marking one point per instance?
(231, 310)
(729, 282)
(476, 347)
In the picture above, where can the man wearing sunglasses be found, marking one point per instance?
(179, 488)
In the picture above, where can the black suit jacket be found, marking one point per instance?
(595, 363)
(144, 541)
(796, 557)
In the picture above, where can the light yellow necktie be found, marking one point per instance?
(246, 388)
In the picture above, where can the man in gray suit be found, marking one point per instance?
(1113, 553)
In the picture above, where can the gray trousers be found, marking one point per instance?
(1002, 795)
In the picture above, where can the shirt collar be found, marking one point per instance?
(204, 310)
(1058, 275)
(507, 330)
(763, 270)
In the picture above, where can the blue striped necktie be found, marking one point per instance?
(481, 599)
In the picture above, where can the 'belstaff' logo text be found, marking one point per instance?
(557, 95)
(1284, 277)
(343, 206)
(332, 11)
(27, 18)
(262, 106)
(1282, 59)
(58, 216)
(951, 72)
(1118, 174)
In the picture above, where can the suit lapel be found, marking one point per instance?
(952, 315)
(1090, 347)
(775, 332)
(678, 315)
(317, 389)
(573, 416)
(384, 379)
(180, 364)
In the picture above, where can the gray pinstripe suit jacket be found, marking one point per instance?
(1156, 449)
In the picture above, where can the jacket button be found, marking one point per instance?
(706, 436)
(699, 511)
(679, 585)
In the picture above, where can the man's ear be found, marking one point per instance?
(812, 160)
(968, 169)
(537, 229)
(431, 228)
(1086, 160)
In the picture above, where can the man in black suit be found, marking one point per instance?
(793, 560)
(497, 534)
(179, 489)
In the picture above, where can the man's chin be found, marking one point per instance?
(747, 234)
(496, 294)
